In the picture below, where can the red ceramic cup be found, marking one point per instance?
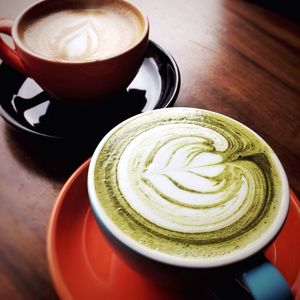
(78, 80)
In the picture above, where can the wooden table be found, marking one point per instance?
(239, 58)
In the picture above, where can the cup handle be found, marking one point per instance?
(258, 279)
(9, 55)
(264, 281)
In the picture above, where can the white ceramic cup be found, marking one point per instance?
(154, 263)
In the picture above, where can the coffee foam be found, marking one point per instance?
(183, 188)
(83, 34)
(188, 184)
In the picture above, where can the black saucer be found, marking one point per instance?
(25, 106)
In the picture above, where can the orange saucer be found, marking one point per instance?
(84, 266)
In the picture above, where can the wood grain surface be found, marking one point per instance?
(239, 58)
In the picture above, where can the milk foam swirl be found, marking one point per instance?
(203, 182)
(83, 34)
(181, 181)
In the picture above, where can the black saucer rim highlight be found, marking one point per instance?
(162, 102)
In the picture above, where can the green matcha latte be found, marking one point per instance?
(188, 183)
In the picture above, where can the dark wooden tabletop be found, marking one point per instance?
(239, 58)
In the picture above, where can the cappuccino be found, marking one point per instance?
(79, 32)
(188, 183)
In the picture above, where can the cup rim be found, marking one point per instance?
(17, 40)
(168, 259)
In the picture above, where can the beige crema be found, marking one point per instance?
(83, 34)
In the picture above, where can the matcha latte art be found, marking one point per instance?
(188, 183)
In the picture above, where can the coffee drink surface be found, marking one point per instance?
(188, 183)
(79, 33)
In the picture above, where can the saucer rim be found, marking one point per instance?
(56, 276)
